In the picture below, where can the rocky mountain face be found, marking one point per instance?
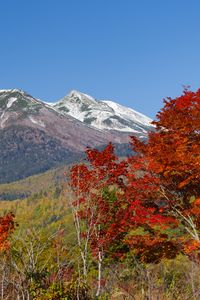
(104, 115)
(36, 136)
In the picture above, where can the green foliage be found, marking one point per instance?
(34, 186)
(46, 227)
(60, 291)
(109, 194)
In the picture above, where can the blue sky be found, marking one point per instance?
(135, 52)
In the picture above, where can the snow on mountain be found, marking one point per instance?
(11, 101)
(103, 115)
(17, 104)
(17, 108)
(8, 97)
(129, 113)
(36, 136)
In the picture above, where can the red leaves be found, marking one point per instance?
(116, 197)
(173, 150)
(6, 228)
(172, 155)
(101, 158)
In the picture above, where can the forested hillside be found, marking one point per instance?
(33, 185)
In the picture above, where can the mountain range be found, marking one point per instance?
(37, 136)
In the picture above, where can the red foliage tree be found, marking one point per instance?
(172, 156)
(116, 200)
(155, 190)
(96, 187)
(6, 228)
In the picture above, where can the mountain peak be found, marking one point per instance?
(80, 95)
(17, 93)
(15, 103)
(103, 115)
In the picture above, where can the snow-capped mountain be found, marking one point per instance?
(104, 115)
(36, 136)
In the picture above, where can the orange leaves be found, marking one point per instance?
(197, 201)
(173, 150)
(191, 246)
(6, 228)
(181, 113)
(172, 154)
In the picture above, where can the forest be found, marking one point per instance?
(117, 228)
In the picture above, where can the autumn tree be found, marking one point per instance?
(96, 204)
(6, 228)
(111, 204)
(172, 156)
(140, 203)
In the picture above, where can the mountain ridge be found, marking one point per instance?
(36, 136)
(103, 114)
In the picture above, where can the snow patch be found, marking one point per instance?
(2, 115)
(129, 112)
(11, 101)
(49, 103)
(38, 122)
(4, 118)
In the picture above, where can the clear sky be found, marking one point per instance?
(134, 52)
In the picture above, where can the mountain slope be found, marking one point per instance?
(26, 151)
(35, 137)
